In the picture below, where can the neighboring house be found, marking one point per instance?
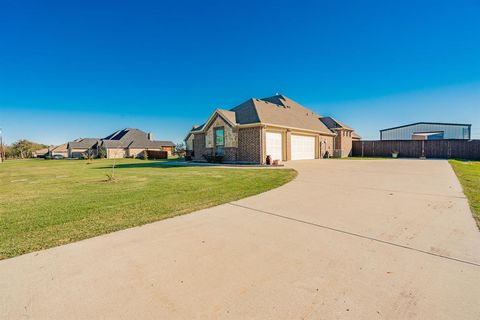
(61, 150)
(82, 147)
(275, 126)
(41, 153)
(126, 143)
(428, 131)
(132, 143)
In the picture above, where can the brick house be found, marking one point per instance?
(275, 126)
(126, 143)
(344, 136)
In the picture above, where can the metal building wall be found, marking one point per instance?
(405, 133)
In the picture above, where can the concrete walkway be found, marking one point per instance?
(380, 239)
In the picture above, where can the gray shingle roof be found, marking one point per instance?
(277, 110)
(133, 138)
(83, 143)
(126, 138)
(111, 144)
(332, 123)
(229, 115)
(60, 148)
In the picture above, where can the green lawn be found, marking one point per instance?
(468, 172)
(46, 203)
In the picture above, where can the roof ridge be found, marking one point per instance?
(255, 108)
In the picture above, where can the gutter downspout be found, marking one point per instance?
(334, 145)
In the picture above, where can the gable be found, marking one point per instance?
(214, 118)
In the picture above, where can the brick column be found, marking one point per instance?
(288, 145)
(263, 151)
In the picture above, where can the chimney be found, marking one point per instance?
(150, 136)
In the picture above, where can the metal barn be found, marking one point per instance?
(427, 131)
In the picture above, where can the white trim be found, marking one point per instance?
(299, 129)
(216, 112)
(260, 124)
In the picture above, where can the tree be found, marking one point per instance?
(24, 148)
(102, 152)
(180, 149)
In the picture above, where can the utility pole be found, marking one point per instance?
(1, 147)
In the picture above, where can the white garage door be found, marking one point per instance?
(274, 145)
(303, 147)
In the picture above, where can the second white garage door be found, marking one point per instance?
(303, 147)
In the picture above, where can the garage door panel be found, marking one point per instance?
(274, 147)
(303, 147)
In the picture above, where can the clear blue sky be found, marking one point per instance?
(73, 69)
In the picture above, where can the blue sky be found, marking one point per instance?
(73, 69)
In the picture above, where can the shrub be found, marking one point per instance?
(213, 158)
(102, 153)
(180, 150)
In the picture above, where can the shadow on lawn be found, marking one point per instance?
(177, 164)
(150, 164)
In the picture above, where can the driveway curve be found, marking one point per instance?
(347, 239)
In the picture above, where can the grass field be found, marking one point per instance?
(468, 172)
(46, 203)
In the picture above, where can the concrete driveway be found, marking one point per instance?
(381, 239)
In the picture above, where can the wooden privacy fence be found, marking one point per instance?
(460, 149)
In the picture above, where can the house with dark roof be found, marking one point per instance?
(125, 143)
(41, 153)
(59, 151)
(82, 146)
(276, 126)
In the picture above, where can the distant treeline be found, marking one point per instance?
(21, 149)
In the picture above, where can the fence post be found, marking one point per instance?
(423, 148)
(362, 149)
(373, 149)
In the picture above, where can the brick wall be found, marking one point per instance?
(230, 154)
(199, 146)
(249, 145)
(116, 153)
(326, 149)
(343, 143)
(230, 134)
